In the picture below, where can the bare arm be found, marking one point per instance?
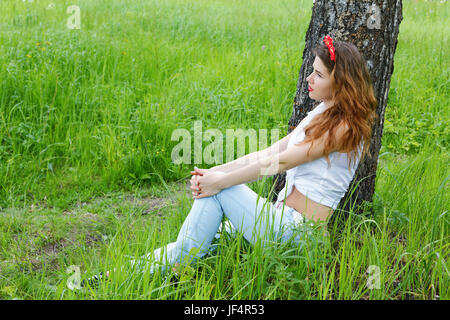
(253, 157)
(279, 162)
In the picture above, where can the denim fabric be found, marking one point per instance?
(253, 216)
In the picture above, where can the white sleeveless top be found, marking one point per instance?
(314, 179)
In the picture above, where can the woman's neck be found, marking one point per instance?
(328, 103)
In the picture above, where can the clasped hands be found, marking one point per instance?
(206, 183)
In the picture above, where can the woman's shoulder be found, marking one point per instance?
(310, 114)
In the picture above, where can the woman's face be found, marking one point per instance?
(319, 82)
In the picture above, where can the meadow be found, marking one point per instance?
(86, 171)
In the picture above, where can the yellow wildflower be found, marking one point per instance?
(29, 55)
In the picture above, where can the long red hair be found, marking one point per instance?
(354, 102)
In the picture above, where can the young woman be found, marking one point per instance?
(320, 157)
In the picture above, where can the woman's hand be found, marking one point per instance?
(194, 185)
(209, 184)
(194, 180)
(206, 183)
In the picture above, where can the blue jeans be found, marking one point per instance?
(253, 216)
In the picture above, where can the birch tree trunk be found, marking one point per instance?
(373, 27)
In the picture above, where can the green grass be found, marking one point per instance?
(85, 155)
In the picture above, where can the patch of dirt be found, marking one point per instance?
(149, 204)
(39, 255)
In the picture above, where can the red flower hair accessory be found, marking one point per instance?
(329, 42)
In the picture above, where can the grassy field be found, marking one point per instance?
(86, 174)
